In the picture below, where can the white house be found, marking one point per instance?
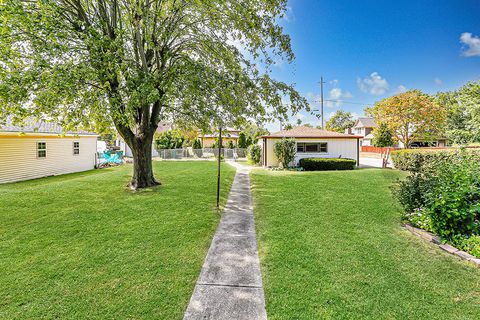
(364, 127)
(41, 149)
(311, 143)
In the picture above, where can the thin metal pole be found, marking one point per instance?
(218, 169)
(321, 99)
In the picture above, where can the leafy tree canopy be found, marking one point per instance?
(91, 63)
(463, 113)
(340, 121)
(410, 115)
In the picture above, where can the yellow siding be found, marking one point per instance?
(18, 157)
(346, 148)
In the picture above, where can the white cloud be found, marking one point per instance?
(473, 44)
(401, 89)
(335, 93)
(374, 84)
(438, 81)
(347, 95)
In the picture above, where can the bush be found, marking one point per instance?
(196, 144)
(285, 150)
(254, 154)
(414, 159)
(443, 194)
(320, 164)
(470, 245)
(230, 144)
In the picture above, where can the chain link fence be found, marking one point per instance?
(205, 153)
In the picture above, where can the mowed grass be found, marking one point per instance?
(81, 246)
(332, 247)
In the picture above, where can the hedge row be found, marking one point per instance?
(414, 160)
(320, 164)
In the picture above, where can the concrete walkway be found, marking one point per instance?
(230, 283)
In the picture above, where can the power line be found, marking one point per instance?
(344, 101)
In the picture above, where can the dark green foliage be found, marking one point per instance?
(254, 154)
(171, 139)
(340, 121)
(442, 194)
(413, 159)
(285, 151)
(382, 136)
(242, 140)
(324, 164)
(230, 144)
(196, 144)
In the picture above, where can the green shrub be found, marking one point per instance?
(470, 244)
(196, 144)
(321, 164)
(412, 191)
(413, 159)
(230, 144)
(285, 150)
(443, 194)
(454, 203)
(254, 154)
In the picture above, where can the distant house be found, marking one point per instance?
(364, 127)
(41, 149)
(311, 143)
(229, 134)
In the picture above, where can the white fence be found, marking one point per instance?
(205, 153)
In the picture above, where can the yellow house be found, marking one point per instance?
(229, 134)
(311, 143)
(41, 149)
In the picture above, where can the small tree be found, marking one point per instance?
(196, 144)
(170, 139)
(340, 121)
(410, 114)
(242, 140)
(382, 136)
(230, 144)
(254, 154)
(285, 151)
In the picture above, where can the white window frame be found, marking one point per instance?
(76, 148)
(41, 149)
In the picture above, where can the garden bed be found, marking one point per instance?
(425, 235)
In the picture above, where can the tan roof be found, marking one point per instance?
(308, 132)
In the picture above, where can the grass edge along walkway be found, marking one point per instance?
(83, 246)
(332, 247)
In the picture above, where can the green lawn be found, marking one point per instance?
(81, 246)
(331, 246)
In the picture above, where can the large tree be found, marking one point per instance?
(410, 115)
(463, 109)
(340, 121)
(132, 63)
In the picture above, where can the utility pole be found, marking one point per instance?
(321, 98)
(219, 161)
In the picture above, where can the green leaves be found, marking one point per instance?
(94, 62)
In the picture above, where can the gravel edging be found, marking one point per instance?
(425, 235)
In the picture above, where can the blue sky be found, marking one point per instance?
(368, 50)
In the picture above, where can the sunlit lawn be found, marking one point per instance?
(331, 247)
(81, 246)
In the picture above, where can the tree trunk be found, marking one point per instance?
(142, 164)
